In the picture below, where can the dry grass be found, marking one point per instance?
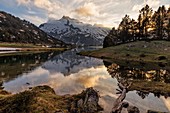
(135, 51)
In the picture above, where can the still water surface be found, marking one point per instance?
(69, 73)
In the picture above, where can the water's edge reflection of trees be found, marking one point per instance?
(143, 80)
(160, 76)
(157, 79)
(13, 66)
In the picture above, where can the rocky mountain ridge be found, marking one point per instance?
(75, 32)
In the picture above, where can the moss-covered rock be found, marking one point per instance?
(42, 99)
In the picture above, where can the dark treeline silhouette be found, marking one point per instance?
(149, 26)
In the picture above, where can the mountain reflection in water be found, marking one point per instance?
(69, 73)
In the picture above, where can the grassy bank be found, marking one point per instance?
(18, 45)
(154, 51)
(27, 49)
(24, 53)
(42, 99)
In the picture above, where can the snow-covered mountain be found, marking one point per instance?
(75, 32)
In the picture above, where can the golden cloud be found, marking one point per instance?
(88, 9)
(83, 11)
(89, 81)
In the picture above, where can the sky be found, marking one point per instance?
(106, 12)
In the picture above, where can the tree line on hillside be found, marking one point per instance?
(148, 26)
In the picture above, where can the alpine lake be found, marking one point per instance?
(69, 73)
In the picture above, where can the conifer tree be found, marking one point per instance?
(123, 29)
(159, 18)
(144, 20)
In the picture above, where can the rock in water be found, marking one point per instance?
(133, 109)
(89, 102)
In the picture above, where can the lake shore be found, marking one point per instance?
(8, 49)
(42, 99)
(141, 51)
(151, 56)
(46, 100)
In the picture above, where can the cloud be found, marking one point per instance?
(32, 18)
(137, 7)
(44, 4)
(88, 9)
(167, 6)
(23, 2)
(166, 102)
(47, 5)
(89, 81)
(107, 12)
(32, 12)
(152, 3)
(85, 78)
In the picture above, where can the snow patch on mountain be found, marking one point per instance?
(75, 32)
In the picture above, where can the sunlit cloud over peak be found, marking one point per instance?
(106, 12)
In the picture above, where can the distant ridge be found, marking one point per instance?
(13, 29)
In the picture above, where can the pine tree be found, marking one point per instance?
(123, 29)
(168, 24)
(139, 26)
(133, 29)
(168, 29)
(159, 19)
(144, 20)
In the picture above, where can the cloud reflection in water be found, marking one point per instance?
(96, 77)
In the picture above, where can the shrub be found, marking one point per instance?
(127, 55)
(162, 58)
(142, 55)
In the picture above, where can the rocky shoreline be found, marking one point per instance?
(42, 99)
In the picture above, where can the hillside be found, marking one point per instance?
(142, 51)
(75, 32)
(23, 63)
(13, 29)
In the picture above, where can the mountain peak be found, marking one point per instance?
(66, 17)
(70, 19)
(73, 31)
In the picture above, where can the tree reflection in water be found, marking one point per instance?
(14, 65)
(156, 81)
